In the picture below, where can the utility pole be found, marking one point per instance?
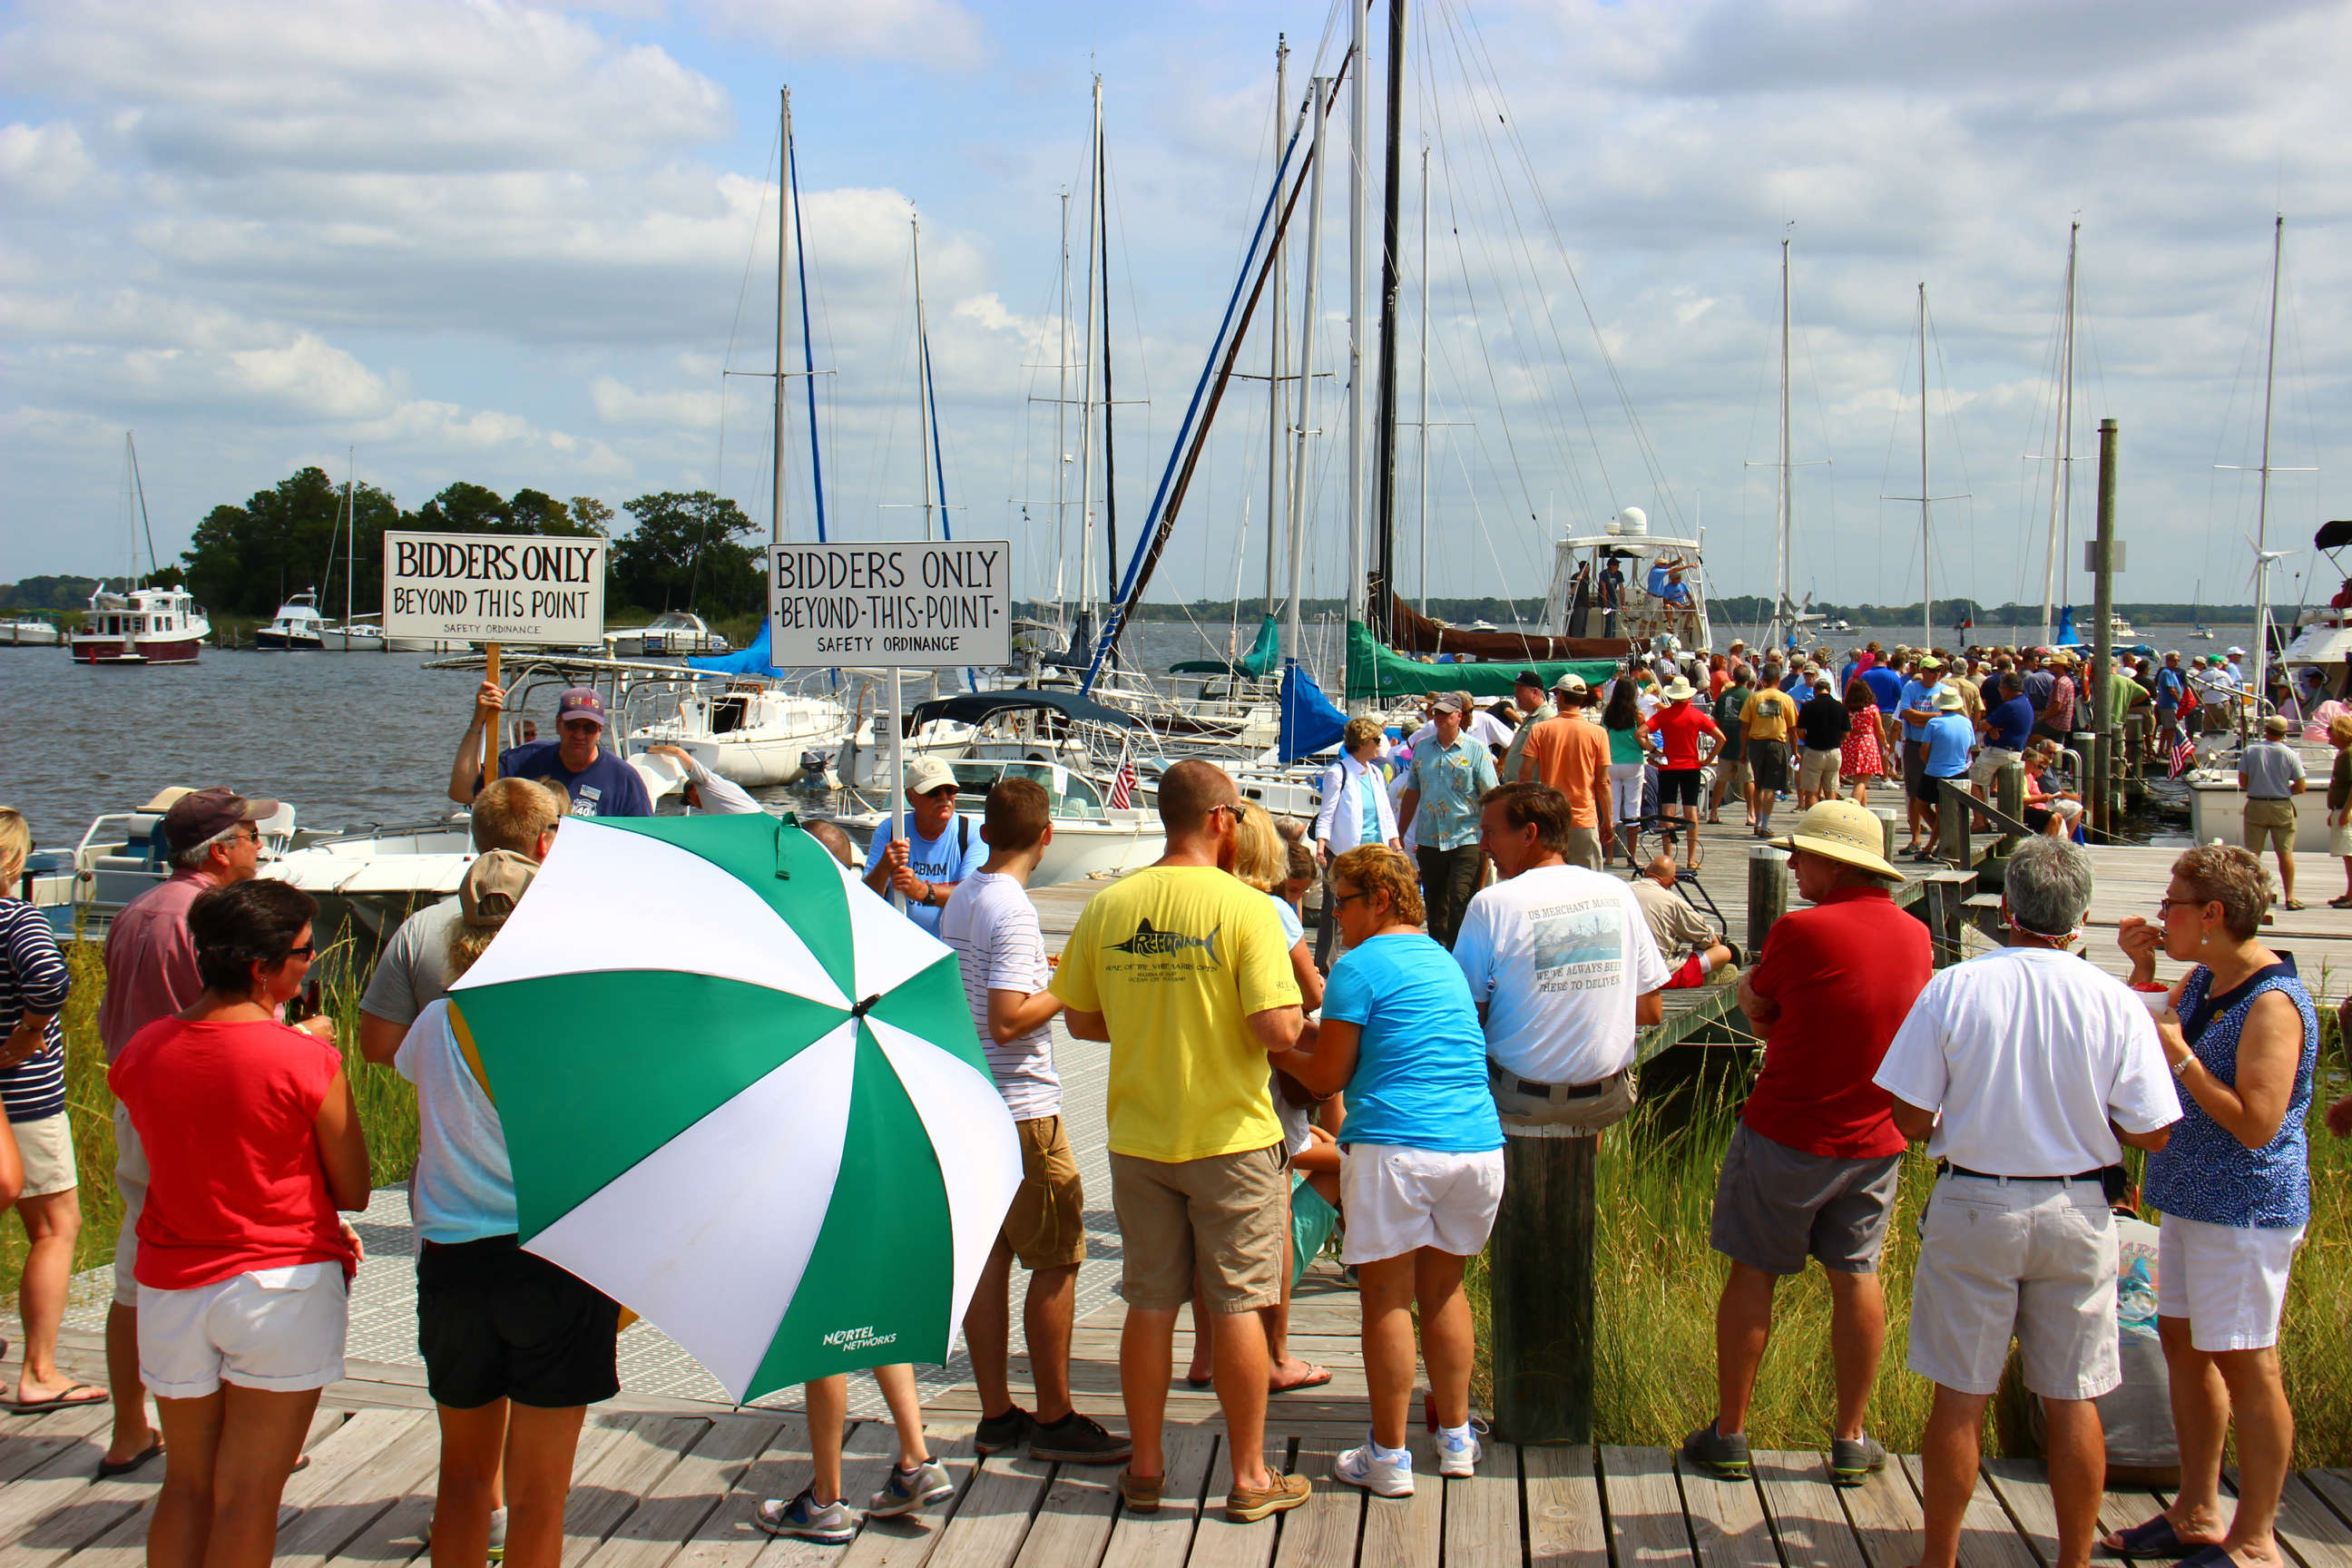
(2105, 560)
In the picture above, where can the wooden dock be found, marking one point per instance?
(662, 1483)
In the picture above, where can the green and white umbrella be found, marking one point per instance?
(743, 1096)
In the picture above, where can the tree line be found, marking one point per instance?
(682, 551)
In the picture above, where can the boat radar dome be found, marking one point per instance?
(1633, 522)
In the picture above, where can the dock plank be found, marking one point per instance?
(1164, 1538)
(1808, 1521)
(1323, 1530)
(1565, 1528)
(1222, 1542)
(1072, 1528)
(1728, 1522)
(676, 1505)
(2308, 1529)
(992, 1518)
(1645, 1508)
(1482, 1511)
(909, 1540)
(28, 1442)
(411, 1459)
(2333, 1487)
(1886, 1519)
(1408, 1532)
(1988, 1539)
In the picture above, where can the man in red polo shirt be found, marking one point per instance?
(1812, 1166)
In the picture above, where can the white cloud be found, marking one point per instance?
(44, 163)
(940, 34)
(620, 404)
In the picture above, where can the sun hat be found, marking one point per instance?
(1950, 702)
(1842, 831)
(579, 702)
(1678, 691)
(500, 874)
(925, 774)
(2275, 725)
(204, 812)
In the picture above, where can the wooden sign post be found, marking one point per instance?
(492, 728)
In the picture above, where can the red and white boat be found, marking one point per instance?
(145, 626)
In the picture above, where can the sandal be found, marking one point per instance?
(2343, 903)
(2292, 904)
(61, 1400)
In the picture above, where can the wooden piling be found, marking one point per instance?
(1767, 893)
(1542, 1258)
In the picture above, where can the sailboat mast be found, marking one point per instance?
(1926, 558)
(139, 488)
(1384, 456)
(922, 377)
(1087, 377)
(1422, 467)
(1786, 519)
(808, 340)
(1321, 91)
(783, 221)
(2263, 483)
(1273, 346)
(1359, 139)
(352, 533)
(2061, 477)
(1061, 413)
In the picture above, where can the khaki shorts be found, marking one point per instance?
(1989, 763)
(1579, 1109)
(1817, 771)
(1226, 1215)
(1735, 777)
(130, 1181)
(1584, 848)
(46, 1148)
(1046, 1225)
(2031, 1259)
(2269, 821)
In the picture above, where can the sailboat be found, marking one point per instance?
(2199, 630)
(2062, 473)
(1927, 498)
(140, 625)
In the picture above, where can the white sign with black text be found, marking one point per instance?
(495, 587)
(934, 605)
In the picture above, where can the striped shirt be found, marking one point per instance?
(999, 946)
(33, 978)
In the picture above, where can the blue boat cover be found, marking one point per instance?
(1309, 722)
(751, 660)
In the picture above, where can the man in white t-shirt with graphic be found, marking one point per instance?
(1001, 950)
(2026, 1070)
(1563, 968)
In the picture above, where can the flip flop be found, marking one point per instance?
(1191, 1382)
(2294, 904)
(2343, 903)
(110, 1469)
(1316, 1376)
(2153, 1538)
(61, 1400)
(2211, 1556)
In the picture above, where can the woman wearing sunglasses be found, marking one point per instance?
(253, 1143)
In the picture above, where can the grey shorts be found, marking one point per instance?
(1775, 1207)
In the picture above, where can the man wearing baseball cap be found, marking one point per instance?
(598, 782)
(1528, 697)
(214, 838)
(924, 851)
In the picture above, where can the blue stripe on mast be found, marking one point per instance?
(808, 350)
(1118, 612)
(940, 467)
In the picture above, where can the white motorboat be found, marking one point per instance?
(1091, 839)
(2217, 807)
(144, 625)
(1580, 572)
(296, 628)
(25, 631)
(753, 733)
(122, 854)
(673, 633)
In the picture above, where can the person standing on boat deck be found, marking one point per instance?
(1572, 755)
(597, 783)
(1562, 966)
(1185, 971)
(923, 852)
(34, 984)
(1356, 810)
(1813, 1165)
(2026, 1070)
(2271, 773)
(1001, 951)
(1450, 772)
(2234, 1188)
(214, 839)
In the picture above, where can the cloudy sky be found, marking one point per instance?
(520, 244)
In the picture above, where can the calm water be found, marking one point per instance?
(351, 739)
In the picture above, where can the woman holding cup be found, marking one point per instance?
(2233, 1186)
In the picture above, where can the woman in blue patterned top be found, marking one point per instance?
(32, 986)
(2234, 1188)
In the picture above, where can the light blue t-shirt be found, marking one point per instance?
(955, 854)
(1917, 694)
(1292, 928)
(464, 1186)
(1949, 737)
(1420, 1066)
(1371, 804)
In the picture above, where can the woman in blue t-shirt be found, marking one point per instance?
(2233, 1183)
(1422, 1174)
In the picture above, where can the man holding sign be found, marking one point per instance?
(600, 783)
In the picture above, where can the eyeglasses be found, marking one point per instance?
(945, 791)
(1343, 898)
(2164, 906)
(1235, 809)
(306, 951)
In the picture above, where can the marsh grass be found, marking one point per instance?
(387, 1104)
(1658, 1280)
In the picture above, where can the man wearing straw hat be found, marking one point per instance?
(1813, 1167)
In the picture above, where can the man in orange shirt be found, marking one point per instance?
(1572, 754)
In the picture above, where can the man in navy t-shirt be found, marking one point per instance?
(600, 783)
(924, 851)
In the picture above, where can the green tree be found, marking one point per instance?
(463, 508)
(591, 515)
(246, 560)
(685, 553)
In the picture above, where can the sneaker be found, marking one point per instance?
(1711, 1452)
(1077, 1439)
(998, 1432)
(497, 1535)
(1245, 1505)
(1853, 1460)
(805, 1519)
(1375, 1472)
(909, 1491)
(1455, 1459)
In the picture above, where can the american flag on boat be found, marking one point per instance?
(1122, 785)
(2184, 757)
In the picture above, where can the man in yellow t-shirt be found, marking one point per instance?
(1764, 726)
(1184, 970)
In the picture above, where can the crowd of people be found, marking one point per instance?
(1480, 975)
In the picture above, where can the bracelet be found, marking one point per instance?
(2182, 1064)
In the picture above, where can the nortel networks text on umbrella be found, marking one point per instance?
(925, 607)
(502, 588)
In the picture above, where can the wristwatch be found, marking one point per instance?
(930, 891)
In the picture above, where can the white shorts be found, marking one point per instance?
(47, 1147)
(131, 1182)
(276, 1329)
(2228, 1280)
(1397, 1200)
(1989, 762)
(2036, 1260)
